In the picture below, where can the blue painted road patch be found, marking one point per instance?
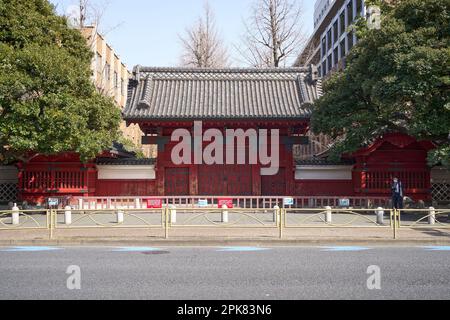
(437, 248)
(30, 249)
(347, 248)
(135, 249)
(242, 249)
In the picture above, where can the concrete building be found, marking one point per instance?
(331, 41)
(110, 76)
(333, 37)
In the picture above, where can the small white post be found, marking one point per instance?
(120, 216)
(173, 213)
(275, 213)
(225, 213)
(328, 218)
(80, 204)
(432, 216)
(380, 215)
(15, 214)
(137, 203)
(68, 215)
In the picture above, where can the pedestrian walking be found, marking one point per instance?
(397, 194)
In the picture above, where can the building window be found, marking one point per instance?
(122, 86)
(324, 68)
(107, 72)
(336, 55)
(350, 12)
(329, 42)
(319, 70)
(116, 80)
(350, 40)
(343, 52)
(330, 62)
(359, 7)
(342, 22)
(335, 32)
(324, 47)
(99, 62)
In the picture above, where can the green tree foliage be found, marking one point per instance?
(397, 79)
(48, 103)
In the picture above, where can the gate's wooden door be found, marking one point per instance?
(176, 181)
(225, 180)
(238, 180)
(274, 185)
(210, 181)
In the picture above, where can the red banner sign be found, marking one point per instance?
(222, 201)
(154, 203)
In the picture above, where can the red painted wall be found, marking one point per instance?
(59, 176)
(395, 155)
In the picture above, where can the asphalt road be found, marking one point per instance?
(225, 273)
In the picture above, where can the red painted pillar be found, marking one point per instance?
(91, 179)
(20, 181)
(160, 173)
(256, 180)
(290, 169)
(193, 180)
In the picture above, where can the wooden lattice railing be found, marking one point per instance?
(381, 180)
(53, 180)
(8, 192)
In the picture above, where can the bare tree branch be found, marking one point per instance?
(273, 33)
(202, 46)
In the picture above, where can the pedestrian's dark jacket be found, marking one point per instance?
(397, 188)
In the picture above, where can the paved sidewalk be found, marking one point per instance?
(207, 236)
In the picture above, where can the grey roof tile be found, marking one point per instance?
(125, 161)
(195, 94)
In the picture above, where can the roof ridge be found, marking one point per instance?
(140, 68)
(233, 93)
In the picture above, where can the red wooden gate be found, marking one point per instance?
(227, 180)
(176, 182)
(274, 185)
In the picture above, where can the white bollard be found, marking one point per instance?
(15, 214)
(432, 216)
(275, 213)
(80, 204)
(68, 215)
(173, 213)
(225, 213)
(380, 215)
(328, 218)
(137, 203)
(120, 216)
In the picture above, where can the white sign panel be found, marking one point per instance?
(344, 202)
(202, 203)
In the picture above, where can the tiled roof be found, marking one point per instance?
(125, 161)
(196, 94)
(325, 162)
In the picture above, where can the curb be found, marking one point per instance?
(220, 242)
